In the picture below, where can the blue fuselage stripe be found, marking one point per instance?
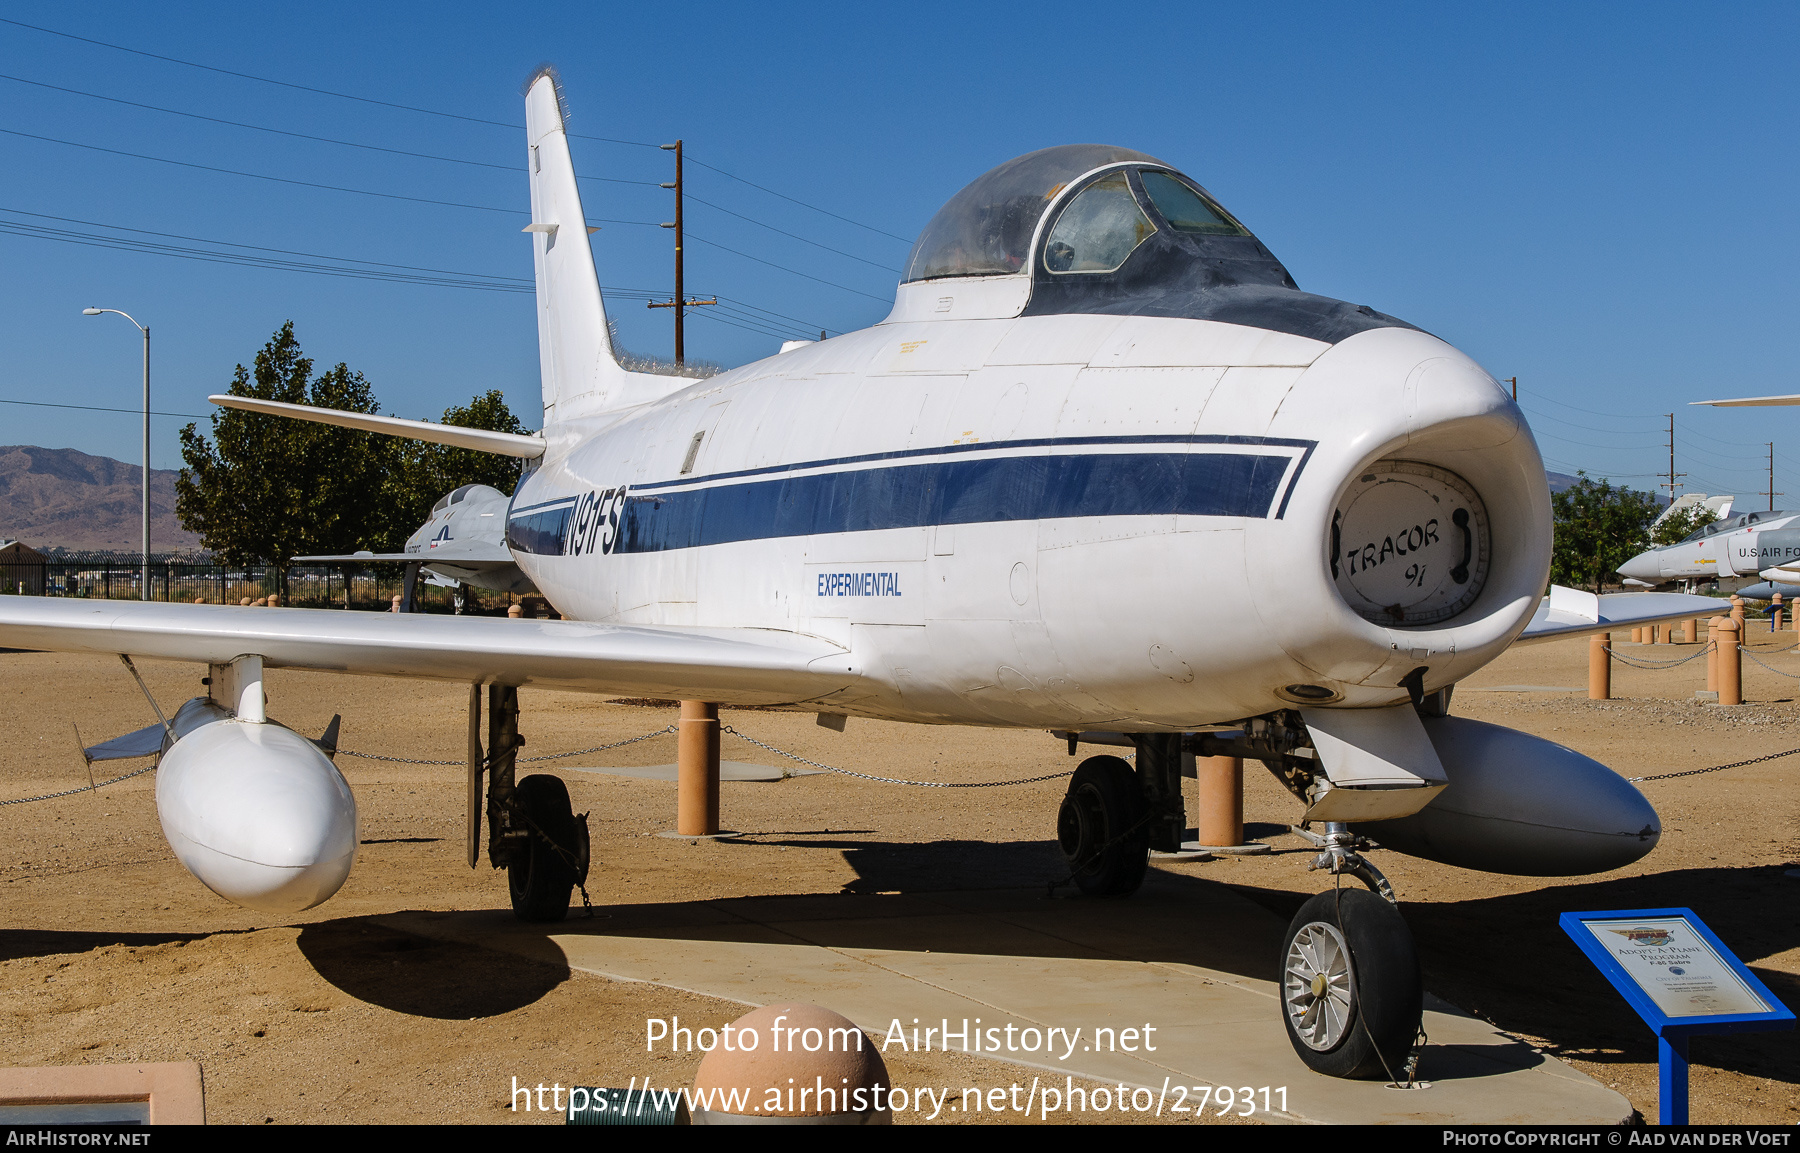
(1013, 488)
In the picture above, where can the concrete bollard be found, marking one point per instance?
(1693, 632)
(697, 770)
(1599, 668)
(1775, 614)
(1219, 800)
(515, 611)
(1731, 666)
(808, 1046)
(395, 607)
(1712, 653)
(274, 600)
(1656, 634)
(244, 602)
(1637, 636)
(199, 600)
(1737, 612)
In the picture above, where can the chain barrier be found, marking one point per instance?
(662, 732)
(84, 789)
(1769, 667)
(891, 780)
(1714, 768)
(1643, 664)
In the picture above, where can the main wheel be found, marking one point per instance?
(1102, 830)
(1350, 991)
(542, 876)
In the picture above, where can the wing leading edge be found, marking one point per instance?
(1573, 613)
(730, 666)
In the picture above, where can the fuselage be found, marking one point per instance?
(1071, 520)
(1742, 545)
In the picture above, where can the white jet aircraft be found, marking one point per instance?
(1737, 546)
(1104, 470)
(462, 542)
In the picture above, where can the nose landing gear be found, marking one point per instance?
(1351, 996)
(1350, 991)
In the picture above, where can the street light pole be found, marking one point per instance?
(146, 332)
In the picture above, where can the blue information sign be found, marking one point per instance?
(1681, 979)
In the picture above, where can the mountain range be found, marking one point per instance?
(58, 497)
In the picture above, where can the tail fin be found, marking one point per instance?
(581, 374)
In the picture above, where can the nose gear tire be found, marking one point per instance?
(540, 878)
(1104, 801)
(1350, 990)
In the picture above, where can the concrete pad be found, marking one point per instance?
(728, 771)
(1192, 960)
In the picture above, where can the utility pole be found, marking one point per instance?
(1772, 494)
(681, 303)
(1672, 474)
(1514, 381)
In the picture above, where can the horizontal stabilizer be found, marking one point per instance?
(146, 742)
(1573, 613)
(726, 665)
(479, 439)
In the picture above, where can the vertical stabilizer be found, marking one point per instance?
(581, 375)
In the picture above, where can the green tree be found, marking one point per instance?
(268, 488)
(422, 472)
(1598, 528)
(1680, 524)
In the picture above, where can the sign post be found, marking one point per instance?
(1682, 981)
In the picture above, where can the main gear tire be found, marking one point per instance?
(1351, 997)
(542, 875)
(1102, 830)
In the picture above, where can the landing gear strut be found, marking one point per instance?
(532, 831)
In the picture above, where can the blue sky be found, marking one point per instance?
(1596, 198)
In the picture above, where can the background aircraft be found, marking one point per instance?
(1104, 469)
(1735, 547)
(463, 542)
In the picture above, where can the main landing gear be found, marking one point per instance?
(1351, 996)
(533, 832)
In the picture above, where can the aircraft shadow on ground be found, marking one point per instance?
(423, 976)
(17, 944)
(1506, 959)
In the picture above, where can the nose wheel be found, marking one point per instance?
(1350, 990)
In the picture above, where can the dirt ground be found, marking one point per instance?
(110, 952)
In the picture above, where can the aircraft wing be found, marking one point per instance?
(1750, 402)
(1573, 613)
(463, 554)
(727, 665)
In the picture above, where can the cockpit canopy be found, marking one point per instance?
(455, 496)
(1095, 229)
(987, 228)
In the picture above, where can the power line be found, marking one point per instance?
(431, 112)
(281, 179)
(510, 168)
(802, 203)
(1589, 411)
(97, 408)
(785, 268)
(375, 270)
(261, 79)
(784, 232)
